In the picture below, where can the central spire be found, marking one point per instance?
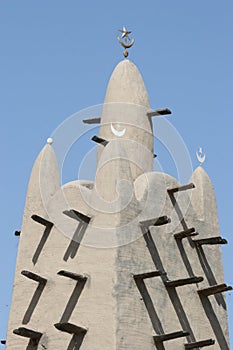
(126, 131)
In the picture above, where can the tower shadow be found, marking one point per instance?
(214, 322)
(72, 301)
(75, 242)
(149, 306)
(33, 303)
(209, 275)
(200, 252)
(48, 227)
(32, 345)
(78, 234)
(179, 242)
(171, 291)
(76, 342)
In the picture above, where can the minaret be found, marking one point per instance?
(131, 261)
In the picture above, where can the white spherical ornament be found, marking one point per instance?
(49, 141)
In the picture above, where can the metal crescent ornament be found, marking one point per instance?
(116, 132)
(200, 156)
(124, 44)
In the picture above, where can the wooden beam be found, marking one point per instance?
(72, 275)
(27, 333)
(92, 121)
(218, 288)
(199, 344)
(186, 233)
(70, 328)
(74, 214)
(181, 188)
(34, 277)
(42, 221)
(149, 275)
(99, 140)
(158, 112)
(164, 337)
(162, 220)
(183, 282)
(210, 241)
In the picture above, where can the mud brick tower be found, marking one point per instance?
(131, 260)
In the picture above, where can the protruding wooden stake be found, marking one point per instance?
(149, 275)
(34, 277)
(181, 188)
(186, 233)
(92, 121)
(210, 241)
(99, 140)
(162, 220)
(74, 214)
(157, 112)
(183, 282)
(42, 221)
(164, 337)
(199, 344)
(28, 333)
(72, 275)
(70, 328)
(218, 288)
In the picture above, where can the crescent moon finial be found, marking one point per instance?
(126, 43)
(200, 155)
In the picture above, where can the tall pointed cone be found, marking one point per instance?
(124, 117)
(206, 224)
(129, 149)
(44, 182)
(203, 197)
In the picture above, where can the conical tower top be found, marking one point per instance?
(126, 85)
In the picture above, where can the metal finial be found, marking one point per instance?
(200, 155)
(126, 43)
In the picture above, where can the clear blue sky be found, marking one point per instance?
(56, 58)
